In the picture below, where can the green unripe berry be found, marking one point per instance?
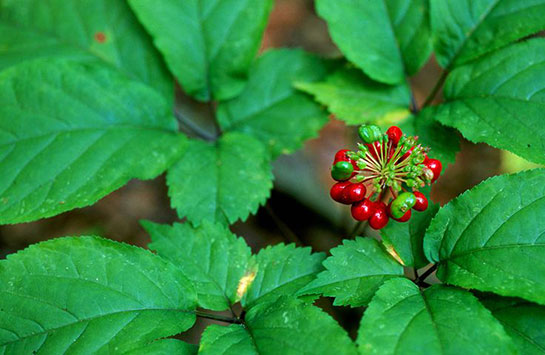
(369, 133)
(402, 204)
(342, 170)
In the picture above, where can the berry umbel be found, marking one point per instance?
(381, 179)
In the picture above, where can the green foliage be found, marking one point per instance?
(443, 141)
(499, 100)
(466, 29)
(211, 256)
(281, 270)
(354, 98)
(354, 272)
(68, 29)
(208, 44)
(285, 326)
(222, 181)
(441, 320)
(386, 39)
(522, 320)
(491, 237)
(221, 266)
(75, 135)
(165, 347)
(220, 340)
(270, 109)
(74, 295)
(86, 105)
(407, 238)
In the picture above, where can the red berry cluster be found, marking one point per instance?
(385, 167)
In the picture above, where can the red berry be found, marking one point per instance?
(394, 134)
(341, 156)
(374, 149)
(362, 210)
(421, 201)
(406, 155)
(336, 191)
(380, 218)
(354, 193)
(435, 166)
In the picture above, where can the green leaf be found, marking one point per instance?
(354, 98)
(221, 340)
(388, 39)
(71, 133)
(281, 270)
(90, 295)
(441, 320)
(354, 272)
(442, 140)
(208, 44)
(166, 347)
(286, 326)
(220, 182)
(500, 99)
(270, 109)
(70, 28)
(491, 237)
(523, 321)
(466, 29)
(211, 256)
(407, 238)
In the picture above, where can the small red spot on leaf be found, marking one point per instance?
(100, 37)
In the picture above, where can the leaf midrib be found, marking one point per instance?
(470, 33)
(522, 335)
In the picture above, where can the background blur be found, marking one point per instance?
(300, 209)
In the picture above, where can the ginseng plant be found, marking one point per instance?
(87, 103)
